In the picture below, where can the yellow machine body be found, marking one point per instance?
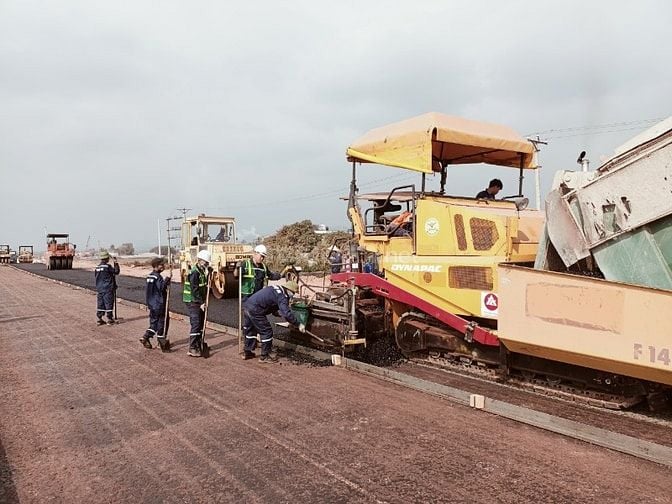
(217, 235)
(451, 258)
(452, 246)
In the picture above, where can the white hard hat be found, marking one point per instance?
(261, 249)
(205, 255)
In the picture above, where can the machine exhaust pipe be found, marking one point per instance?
(583, 161)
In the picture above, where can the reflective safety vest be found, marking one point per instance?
(250, 275)
(202, 285)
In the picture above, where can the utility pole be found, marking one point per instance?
(184, 213)
(537, 182)
(170, 229)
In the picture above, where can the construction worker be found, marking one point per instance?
(272, 299)
(194, 294)
(155, 297)
(494, 187)
(335, 259)
(255, 273)
(106, 284)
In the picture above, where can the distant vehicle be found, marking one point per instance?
(60, 252)
(5, 255)
(26, 254)
(218, 236)
(13, 257)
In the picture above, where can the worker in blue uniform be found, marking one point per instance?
(193, 294)
(105, 286)
(269, 300)
(335, 259)
(155, 297)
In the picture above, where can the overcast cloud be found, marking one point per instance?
(113, 114)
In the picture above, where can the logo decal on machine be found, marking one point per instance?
(417, 268)
(432, 226)
(489, 304)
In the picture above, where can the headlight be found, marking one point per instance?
(521, 202)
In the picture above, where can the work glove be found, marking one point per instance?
(168, 280)
(210, 269)
(203, 307)
(286, 270)
(239, 264)
(302, 328)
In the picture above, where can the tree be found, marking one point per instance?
(164, 250)
(126, 249)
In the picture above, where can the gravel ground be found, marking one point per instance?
(637, 423)
(88, 415)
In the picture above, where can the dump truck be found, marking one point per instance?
(218, 236)
(599, 296)
(60, 252)
(5, 256)
(25, 254)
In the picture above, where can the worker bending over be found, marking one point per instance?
(155, 297)
(273, 299)
(194, 293)
(105, 287)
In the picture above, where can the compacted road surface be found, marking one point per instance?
(222, 311)
(88, 415)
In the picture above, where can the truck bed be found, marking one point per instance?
(614, 327)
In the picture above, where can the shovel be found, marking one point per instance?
(205, 349)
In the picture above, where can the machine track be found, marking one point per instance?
(424, 339)
(543, 386)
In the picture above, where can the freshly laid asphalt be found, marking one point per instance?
(221, 311)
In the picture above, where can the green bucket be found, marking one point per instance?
(301, 312)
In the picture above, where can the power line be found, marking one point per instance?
(317, 195)
(598, 126)
(593, 133)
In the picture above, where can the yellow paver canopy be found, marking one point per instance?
(427, 142)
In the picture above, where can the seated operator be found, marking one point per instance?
(401, 226)
(493, 188)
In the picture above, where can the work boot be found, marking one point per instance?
(194, 352)
(164, 344)
(110, 322)
(269, 359)
(249, 355)
(100, 322)
(146, 343)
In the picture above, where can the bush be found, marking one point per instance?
(298, 244)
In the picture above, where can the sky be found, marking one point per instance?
(115, 114)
